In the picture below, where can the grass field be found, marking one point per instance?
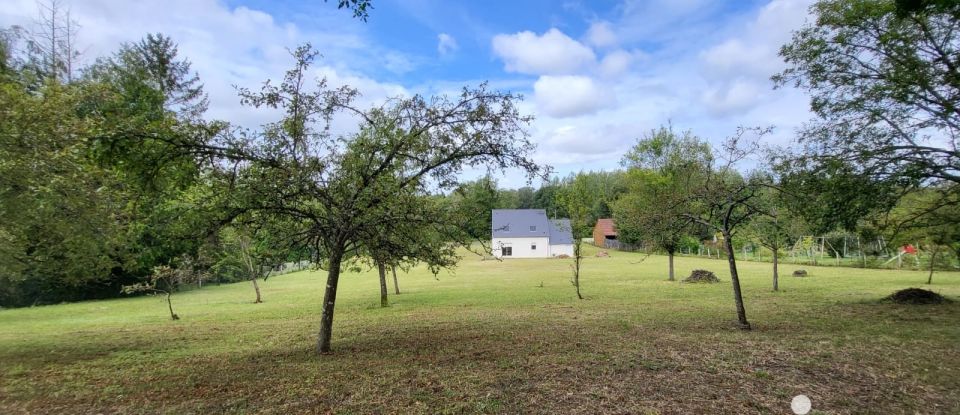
(498, 337)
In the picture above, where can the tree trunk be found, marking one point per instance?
(329, 300)
(776, 270)
(396, 286)
(577, 256)
(256, 287)
(383, 284)
(933, 261)
(735, 279)
(173, 316)
(863, 256)
(670, 260)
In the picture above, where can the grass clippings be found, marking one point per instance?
(702, 276)
(916, 296)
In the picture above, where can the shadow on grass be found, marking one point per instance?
(495, 365)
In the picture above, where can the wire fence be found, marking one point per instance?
(882, 257)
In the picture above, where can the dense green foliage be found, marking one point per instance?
(884, 79)
(663, 167)
(94, 194)
(61, 217)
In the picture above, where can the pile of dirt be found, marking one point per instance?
(916, 296)
(800, 273)
(563, 256)
(603, 254)
(702, 276)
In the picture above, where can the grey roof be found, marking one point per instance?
(516, 223)
(560, 232)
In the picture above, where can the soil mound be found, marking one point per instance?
(702, 276)
(800, 273)
(916, 296)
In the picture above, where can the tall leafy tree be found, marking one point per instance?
(156, 103)
(650, 214)
(724, 201)
(525, 198)
(166, 279)
(831, 194)
(928, 218)
(415, 241)
(664, 165)
(155, 61)
(60, 231)
(476, 199)
(546, 198)
(342, 189)
(84, 142)
(152, 105)
(7, 64)
(884, 79)
(774, 226)
(253, 248)
(575, 198)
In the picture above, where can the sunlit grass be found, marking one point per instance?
(495, 336)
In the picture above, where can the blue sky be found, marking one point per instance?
(596, 74)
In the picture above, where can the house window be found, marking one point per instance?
(507, 251)
(533, 247)
(533, 228)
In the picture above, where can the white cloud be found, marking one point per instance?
(674, 21)
(733, 97)
(570, 95)
(552, 53)
(569, 142)
(601, 35)
(701, 70)
(446, 44)
(397, 63)
(227, 45)
(616, 63)
(372, 93)
(738, 69)
(733, 58)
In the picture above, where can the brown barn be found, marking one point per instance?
(605, 234)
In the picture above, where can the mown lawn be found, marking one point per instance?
(498, 337)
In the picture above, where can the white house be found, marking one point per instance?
(528, 233)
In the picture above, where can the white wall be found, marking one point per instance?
(561, 250)
(521, 247)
